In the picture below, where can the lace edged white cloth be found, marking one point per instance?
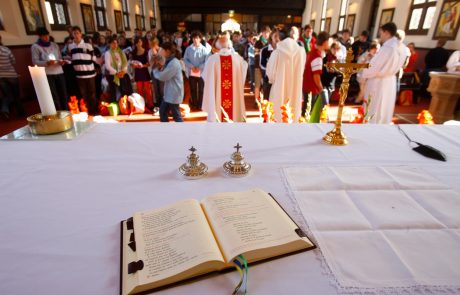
(380, 230)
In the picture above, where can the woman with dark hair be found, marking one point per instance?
(169, 70)
(116, 66)
(329, 76)
(140, 63)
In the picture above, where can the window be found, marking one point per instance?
(57, 13)
(420, 17)
(101, 20)
(125, 8)
(155, 10)
(142, 13)
(343, 12)
(323, 16)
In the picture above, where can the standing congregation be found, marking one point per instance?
(209, 71)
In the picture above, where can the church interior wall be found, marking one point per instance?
(357, 7)
(333, 11)
(362, 10)
(14, 33)
(402, 9)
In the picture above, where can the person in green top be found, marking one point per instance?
(116, 66)
(264, 35)
(307, 39)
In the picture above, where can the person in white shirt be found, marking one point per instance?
(405, 53)
(342, 52)
(285, 72)
(380, 89)
(453, 64)
(116, 66)
(365, 58)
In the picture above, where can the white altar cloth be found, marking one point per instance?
(61, 201)
(382, 227)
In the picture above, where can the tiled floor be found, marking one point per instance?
(403, 114)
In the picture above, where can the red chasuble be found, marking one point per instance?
(226, 86)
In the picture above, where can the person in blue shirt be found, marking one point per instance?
(169, 70)
(194, 58)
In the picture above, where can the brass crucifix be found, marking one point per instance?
(336, 136)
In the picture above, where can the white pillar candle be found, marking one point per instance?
(43, 91)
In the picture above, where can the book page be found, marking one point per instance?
(173, 239)
(247, 221)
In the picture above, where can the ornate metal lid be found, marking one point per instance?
(193, 168)
(237, 167)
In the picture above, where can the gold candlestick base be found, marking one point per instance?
(45, 125)
(335, 137)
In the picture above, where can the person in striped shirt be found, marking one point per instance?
(83, 59)
(9, 84)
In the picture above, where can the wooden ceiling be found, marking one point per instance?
(261, 7)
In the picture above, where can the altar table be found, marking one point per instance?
(61, 201)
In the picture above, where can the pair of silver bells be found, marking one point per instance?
(194, 169)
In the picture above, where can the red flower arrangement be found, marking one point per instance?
(266, 110)
(363, 113)
(286, 114)
(425, 117)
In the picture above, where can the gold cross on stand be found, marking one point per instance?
(336, 136)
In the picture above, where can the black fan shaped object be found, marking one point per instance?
(429, 152)
(425, 150)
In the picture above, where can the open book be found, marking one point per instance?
(191, 238)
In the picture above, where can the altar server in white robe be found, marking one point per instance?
(224, 75)
(381, 76)
(285, 72)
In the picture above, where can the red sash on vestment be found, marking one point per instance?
(226, 88)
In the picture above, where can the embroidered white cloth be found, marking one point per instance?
(381, 227)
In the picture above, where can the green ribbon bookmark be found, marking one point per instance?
(242, 267)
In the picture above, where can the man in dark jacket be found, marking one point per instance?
(435, 61)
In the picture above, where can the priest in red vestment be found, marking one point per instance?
(224, 75)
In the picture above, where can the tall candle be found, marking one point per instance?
(43, 91)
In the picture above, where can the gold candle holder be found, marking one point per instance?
(336, 136)
(44, 125)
